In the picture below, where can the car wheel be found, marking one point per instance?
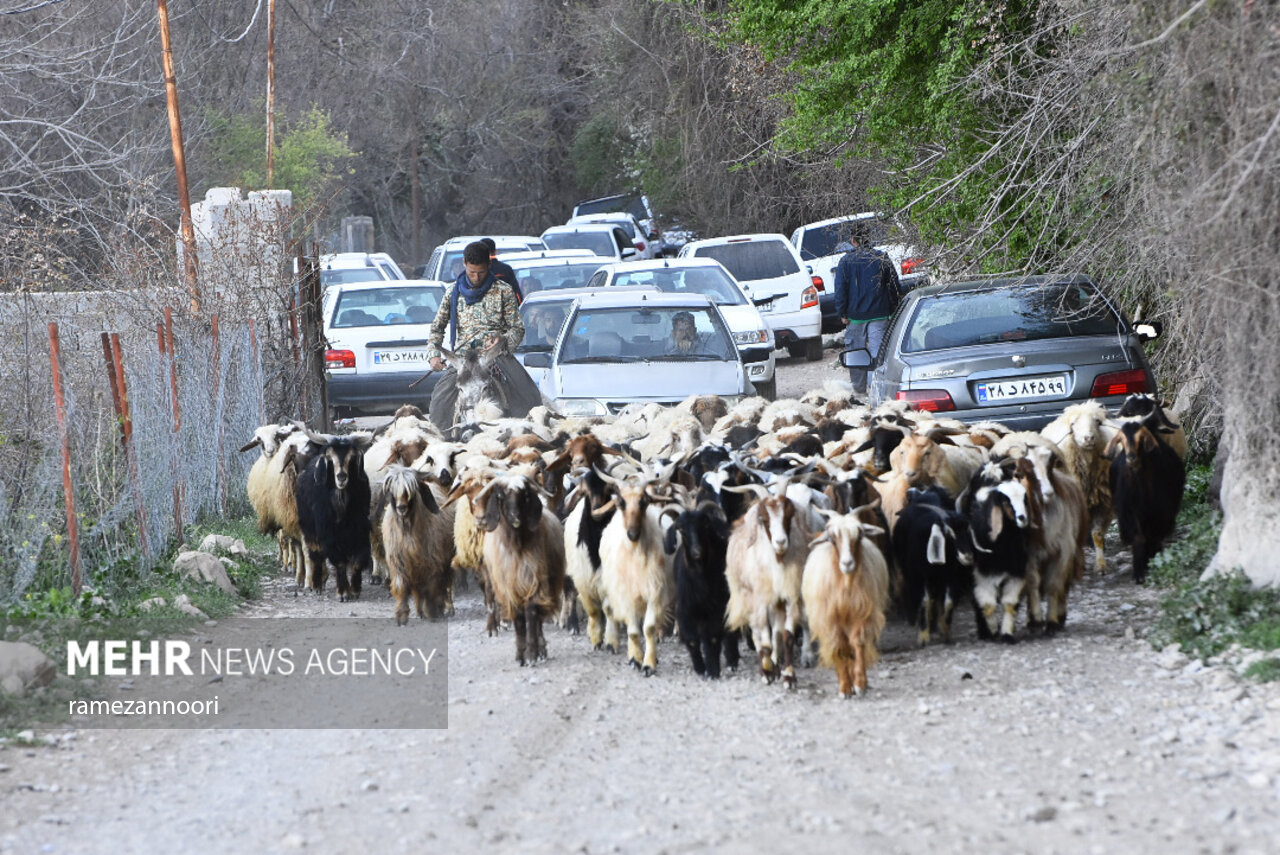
(812, 349)
(767, 389)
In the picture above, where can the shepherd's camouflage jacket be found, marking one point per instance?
(498, 312)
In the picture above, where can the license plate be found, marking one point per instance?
(1052, 386)
(392, 358)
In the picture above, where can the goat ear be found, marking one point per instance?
(672, 540)
(428, 495)
(1112, 444)
(936, 552)
(255, 442)
(997, 521)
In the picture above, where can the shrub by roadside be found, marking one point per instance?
(1223, 619)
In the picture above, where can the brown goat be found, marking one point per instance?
(417, 539)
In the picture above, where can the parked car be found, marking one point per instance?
(376, 339)
(544, 314)
(645, 248)
(337, 268)
(708, 277)
(1013, 350)
(822, 244)
(445, 263)
(635, 204)
(772, 275)
(555, 271)
(604, 239)
(616, 350)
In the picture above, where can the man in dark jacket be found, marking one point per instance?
(502, 270)
(866, 296)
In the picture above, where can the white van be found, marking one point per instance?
(771, 273)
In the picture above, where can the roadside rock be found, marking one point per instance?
(214, 543)
(183, 604)
(205, 567)
(23, 667)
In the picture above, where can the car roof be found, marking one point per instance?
(380, 284)
(345, 260)
(552, 255)
(604, 217)
(557, 294)
(994, 283)
(500, 240)
(614, 297)
(739, 239)
(848, 218)
(663, 264)
(580, 227)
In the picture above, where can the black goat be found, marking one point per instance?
(698, 539)
(996, 505)
(933, 550)
(333, 497)
(1147, 480)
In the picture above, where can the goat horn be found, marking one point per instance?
(608, 506)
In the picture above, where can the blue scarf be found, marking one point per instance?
(472, 294)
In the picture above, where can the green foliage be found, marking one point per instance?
(309, 156)
(1265, 671)
(599, 148)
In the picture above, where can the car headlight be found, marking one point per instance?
(752, 337)
(580, 407)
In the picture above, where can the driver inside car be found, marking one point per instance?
(684, 335)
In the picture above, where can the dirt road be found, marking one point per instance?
(1086, 742)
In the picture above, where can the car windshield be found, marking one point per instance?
(709, 281)
(345, 276)
(834, 238)
(1008, 314)
(752, 260)
(633, 205)
(599, 242)
(674, 334)
(547, 277)
(542, 322)
(372, 307)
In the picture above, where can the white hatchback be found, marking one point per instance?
(706, 276)
(773, 277)
(376, 337)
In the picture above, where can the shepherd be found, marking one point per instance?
(481, 315)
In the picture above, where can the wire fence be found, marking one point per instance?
(140, 469)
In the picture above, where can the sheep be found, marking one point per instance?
(933, 551)
(707, 409)
(524, 554)
(270, 490)
(846, 589)
(1081, 434)
(635, 574)
(765, 564)
(333, 512)
(418, 541)
(996, 505)
(698, 541)
(1147, 480)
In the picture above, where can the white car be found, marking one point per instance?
(554, 272)
(645, 248)
(603, 239)
(445, 263)
(708, 277)
(376, 344)
(338, 268)
(635, 204)
(772, 275)
(616, 349)
(822, 244)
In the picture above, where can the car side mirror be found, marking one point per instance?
(858, 357)
(539, 359)
(653, 234)
(629, 252)
(1149, 330)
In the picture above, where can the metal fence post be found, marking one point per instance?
(68, 492)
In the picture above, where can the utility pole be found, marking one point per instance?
(179, 158)
(271, 91)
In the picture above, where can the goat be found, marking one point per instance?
(996, 506)
(333, 512)
(635, 574)
(698, 541)
(417, 538)
(1081, 434)
(1147, 480)
(1150, 412)
(582, 531)
(923, 460)
(468, 535)
(933, 551)
(846, 589)
(524, 554)
(271, 485)
(1056, 556)
(765, 564)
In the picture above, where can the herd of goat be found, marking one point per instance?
(778, 523)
